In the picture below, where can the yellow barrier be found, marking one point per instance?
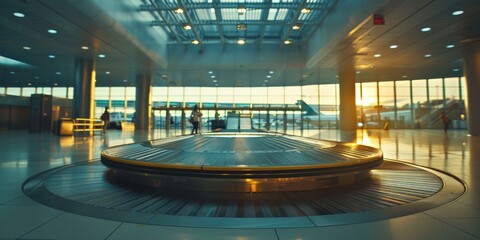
(87, 125)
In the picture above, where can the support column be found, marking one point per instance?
(143, 101)
(84, 88)
(348, 111)
(471, 61)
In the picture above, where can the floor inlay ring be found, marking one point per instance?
(395, 189)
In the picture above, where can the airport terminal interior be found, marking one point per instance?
(240, 119)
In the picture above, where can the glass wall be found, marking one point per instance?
(298, 110)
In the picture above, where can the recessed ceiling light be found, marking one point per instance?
(377, 55)
(210, 72)
(125, 80)
(58, 73)
(178, 10)
(456, 13)
(456, 70)
(426, 29)
(12, 72)
(358, 72)
(296, 27)
(107, 72)
(240, 41)
(27, 47)
(404, 76)
(55, 84)
(102, 55)
(266, 80)
(450, 46)
(195, 42)
(242, 26)
(85, 47)
(213, 76)
(187, 27)
(214, 80)
(393, 46)
(271, 72)
(51, 56)
(268, 76)
(29, 84)
(287, 42)
(305, 11)
(18, 14)
(428, 55)
(36, 77)
(52, 31)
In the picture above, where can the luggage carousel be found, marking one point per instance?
(242, 163)
(243, 181)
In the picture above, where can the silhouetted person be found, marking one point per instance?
(446, 121)
(195, 119)
(106, 119)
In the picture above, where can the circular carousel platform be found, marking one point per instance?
(242, 163)
(243, 181)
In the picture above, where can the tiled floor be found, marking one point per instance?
(23, 155)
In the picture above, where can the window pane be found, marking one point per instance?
(28, 91)
(60, 92)
(13, 91)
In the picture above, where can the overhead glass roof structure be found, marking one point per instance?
(227, 21)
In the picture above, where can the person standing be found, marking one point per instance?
(446, 121)
(106, 119)
(195, 119)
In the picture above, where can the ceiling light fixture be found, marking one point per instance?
(26, 47)
(195, 42)
(187, 27)
(428, 55)
(242, 26)
(107, 72)
(18, 14)
(305, 11)
(84, 47)
(213, 76)
(426, 29)
(450, 46)
(52, 31)
(58, 73)
(271, 72)
(241, 10)
(210, 72)
(178, 10)
(456, 70)
(241, 41)
(393, 46)
(287, 42)
(296, 27)
(102, 55)
(377, 55)
(458, 12)
(51, 56)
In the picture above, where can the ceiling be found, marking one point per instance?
(149, 37)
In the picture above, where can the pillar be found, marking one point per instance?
(143, 100)
(84, 88)
(348, 111)
(471, 61)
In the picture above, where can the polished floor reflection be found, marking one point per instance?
(24, 155)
